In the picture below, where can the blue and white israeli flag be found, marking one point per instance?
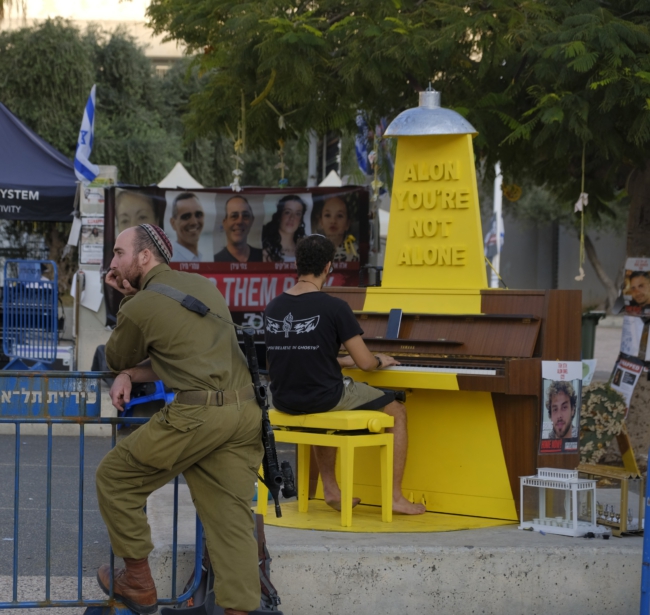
(362, 145)
(85, 170)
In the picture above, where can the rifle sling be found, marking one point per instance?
(187, 301)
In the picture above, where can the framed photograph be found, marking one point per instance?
(561, 401)
(636, 286)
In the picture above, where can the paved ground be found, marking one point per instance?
(65, 505)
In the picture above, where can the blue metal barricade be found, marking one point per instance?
(30, 304)
(645, 568)
(52, 398)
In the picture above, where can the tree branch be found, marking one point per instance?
(338, 17)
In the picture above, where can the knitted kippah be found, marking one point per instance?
(160, 239)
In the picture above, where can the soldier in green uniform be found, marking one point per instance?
(211, 432)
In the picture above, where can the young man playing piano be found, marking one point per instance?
(304, 331)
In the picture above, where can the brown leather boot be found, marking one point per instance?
(133, 585)
(233, 612)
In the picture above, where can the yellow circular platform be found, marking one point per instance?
(368, 519)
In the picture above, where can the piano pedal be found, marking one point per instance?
(423, 500)
(410, 498)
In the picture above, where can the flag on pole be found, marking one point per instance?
(362, 145)
(85, 170)
(490, 239)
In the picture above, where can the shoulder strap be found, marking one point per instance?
(187, 301)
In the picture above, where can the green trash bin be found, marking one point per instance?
(589, 322)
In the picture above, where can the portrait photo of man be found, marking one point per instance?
(639, 290)
(561, 400)
(237, 223)
(187, 219)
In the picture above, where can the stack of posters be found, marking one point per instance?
(634, 358)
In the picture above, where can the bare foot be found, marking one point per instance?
(336, 504)
(404, 507)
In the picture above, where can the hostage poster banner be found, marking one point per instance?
(561, 401)
(626, 375)
(245, 241)
(636, 286)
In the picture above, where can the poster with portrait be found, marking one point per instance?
(626, 375)
(133, 206)
(245, 242)
(636, 286)
(91, 240)
(634, 337)
(561, 401)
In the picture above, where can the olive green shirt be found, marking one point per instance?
(188, 352)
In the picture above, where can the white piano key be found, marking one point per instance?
(478, 371)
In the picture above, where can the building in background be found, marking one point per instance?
(109, 14)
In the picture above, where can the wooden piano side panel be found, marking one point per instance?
(518, 422)
(562, 339)
(562, 336)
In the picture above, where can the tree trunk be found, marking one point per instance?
(638, 222)
(605, 280)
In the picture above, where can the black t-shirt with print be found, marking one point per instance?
(303, 334)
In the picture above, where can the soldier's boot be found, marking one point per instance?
(133, 585)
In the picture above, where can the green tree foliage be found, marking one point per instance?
(131, 132)
(46, 73)
(45, 77)
(539, 80)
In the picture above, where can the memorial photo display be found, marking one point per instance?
(560, 411)
(636, 286)
(245, 241)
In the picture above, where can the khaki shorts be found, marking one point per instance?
(361, 396)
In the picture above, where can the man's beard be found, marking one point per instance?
(133, 275)
(566, 431)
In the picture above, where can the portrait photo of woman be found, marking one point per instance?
(134, 208)
(286, 227)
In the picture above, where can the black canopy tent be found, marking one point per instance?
(37, 182)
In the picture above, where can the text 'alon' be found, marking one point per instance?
(435, 171)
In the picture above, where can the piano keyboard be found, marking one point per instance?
(433, 369)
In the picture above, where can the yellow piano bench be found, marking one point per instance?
(336, 429)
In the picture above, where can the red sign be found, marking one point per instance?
(250, 287)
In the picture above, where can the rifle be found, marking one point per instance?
(274, 475)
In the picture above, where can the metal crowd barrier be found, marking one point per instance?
(52, 398)
(30, 306)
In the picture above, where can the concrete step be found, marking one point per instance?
(500, 571)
